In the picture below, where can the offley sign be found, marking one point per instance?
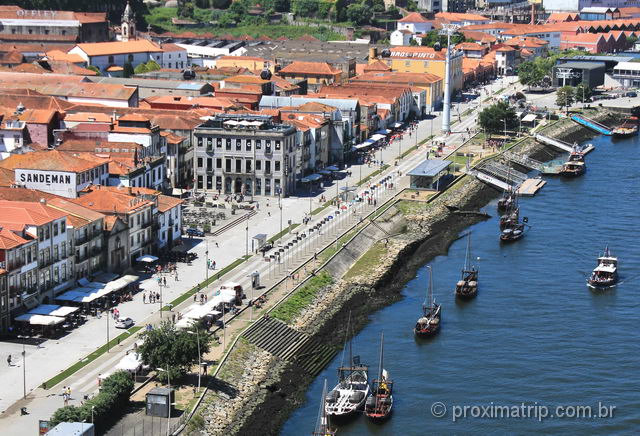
(23, 13)
(55, 182)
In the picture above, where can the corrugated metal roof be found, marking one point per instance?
(430, 167)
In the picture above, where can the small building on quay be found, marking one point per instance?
(431, 175)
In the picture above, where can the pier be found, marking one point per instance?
(592, 124)
(562, 145)
(530, 187)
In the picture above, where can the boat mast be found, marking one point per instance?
(344, 349)
(467, 258)
(430, 296)
(379, 369)
(321, 423)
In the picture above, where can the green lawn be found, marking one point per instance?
(369, 261)
(293, 306)
(53, 381)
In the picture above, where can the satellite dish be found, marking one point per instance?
(386, 53)
(265, 74)
(437, 46)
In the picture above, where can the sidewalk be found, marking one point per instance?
(55, 356)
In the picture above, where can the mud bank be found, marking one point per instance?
(263, 398)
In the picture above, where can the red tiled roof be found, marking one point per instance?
(48, 160)
(413, 17)
(299, 67)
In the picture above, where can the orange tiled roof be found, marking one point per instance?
(48, 160)
(300, 67)
(454, 16)
(110, 202)
(119, 47)
(59, 55)
(469, 46)
(413, 17)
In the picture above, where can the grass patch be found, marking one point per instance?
(411, 150)
(53, 381)
(321, 208)
(284, 232)
(235, 364)
(408, 207)
(292, 306)
(204, 283)
(160, 18)
(369, 261)
(332, 249)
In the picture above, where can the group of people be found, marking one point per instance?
(153, 297)
(211, 264)
(203, 298)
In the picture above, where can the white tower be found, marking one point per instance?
(128, 26)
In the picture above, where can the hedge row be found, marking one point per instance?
(107, 405)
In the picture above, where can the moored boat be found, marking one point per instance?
(573, 168)
(322, 424)
(350, 394)
(605, 274)
(467, 287)
(380, 402)
(513, 232)
(628, 128)
(429, 323)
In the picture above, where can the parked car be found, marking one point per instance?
(266, 247)
(195, 232)
(124, 323)
(631, 94)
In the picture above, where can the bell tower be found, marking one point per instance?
(128, 26)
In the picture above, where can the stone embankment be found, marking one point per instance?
(256, 391)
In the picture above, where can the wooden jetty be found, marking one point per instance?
(530, 187)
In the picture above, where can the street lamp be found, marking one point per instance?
(24, 372)
(199, 361)
(92, 407)
(107, 316)
(169, 402)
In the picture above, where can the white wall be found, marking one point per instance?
(43, 181)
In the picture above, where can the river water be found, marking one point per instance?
(534, 335)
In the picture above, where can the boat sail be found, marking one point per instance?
(467, 287)
(380, 402)
(322, 424)
(352, 389)
(429, 323)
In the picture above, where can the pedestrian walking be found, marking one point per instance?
(195, 297)
(173, 318)
(176, 276)
(9, 360)
(214, 264)
(69, 391)
(164, 280)
(144, 298)
(217, 245)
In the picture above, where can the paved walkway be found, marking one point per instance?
(53, 356)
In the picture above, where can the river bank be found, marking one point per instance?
(258, 391)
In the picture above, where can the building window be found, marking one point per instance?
(200, 141)
(227, 165)
(248, 145)
(228, 144)
(258, 144)
(209, 182)
(209, 163)
(219, 163)
(55, 229)
(258, 165)
(277, 145)
(111, 60)
(238, 145)
(199, 182)
(277, 165)
(219, 143)
(238, 165)
(248, 166)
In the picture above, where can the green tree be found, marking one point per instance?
(492, 119)
(582, 93)
(127, 70)
(378, 6)
(340, 8)
(305, 8)
(140, 69)
(220, 4)
(282, 5)
(430, 39)
(202, 4)
(152, 66)
(565, 97)
(530, 73)
(185, 9)
(94, 68)
(394, 12)
(166, 346)
(359, 13)
(412, 5)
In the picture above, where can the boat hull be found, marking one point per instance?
(466, 294)
(427, 332)
(346, 414)
(380, 416)
(602, 285)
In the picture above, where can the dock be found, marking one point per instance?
(530, 187)
(592, 124)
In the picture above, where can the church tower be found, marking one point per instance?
(128, 26)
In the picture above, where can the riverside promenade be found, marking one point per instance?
(45, 360)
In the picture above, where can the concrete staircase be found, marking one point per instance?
(281, 340)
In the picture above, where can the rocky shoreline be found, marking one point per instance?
(262, 390)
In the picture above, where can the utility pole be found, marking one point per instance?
(447, 29)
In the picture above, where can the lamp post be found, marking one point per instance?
(447, 29)
(206, 267)
(199, 361)
(107, 316)
(246, 241)
(168, 402)
(24, 372)
(280, 207)
(92, 407)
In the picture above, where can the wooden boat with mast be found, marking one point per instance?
(380, 402)
(467, 287)
(322, 424)
(352, 389)
(605, 274)
(429, 323)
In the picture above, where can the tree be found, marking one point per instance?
(185, 9)
(140, 69)
(530, 73)
(430, 39)
(394, 12)
(127, 70)
(359, 13)
(305, 8)
(492, 119)
(166, 346)
(412, 5)
(582, 93)
(220, 4)
(378, 6)
(282, 5)
(202, 4)
(96, 69)
(565, 97)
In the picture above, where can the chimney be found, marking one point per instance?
(373, 53)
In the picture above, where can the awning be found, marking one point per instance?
(430, 167)
(332, 168)
(529, 118)
(383, 132)
(397, 125)
(325, 172)
(311, 178)
(185, 323)
(178, 191)
(35, 319)
(64, 311)
(377, 137)
(53, 310)
(230, 285)
(147, 258)
(130, 362)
